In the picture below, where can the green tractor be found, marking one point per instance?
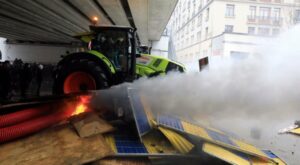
(112, 58)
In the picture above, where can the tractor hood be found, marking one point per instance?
(158, 64)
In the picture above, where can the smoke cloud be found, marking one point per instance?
(251, 98)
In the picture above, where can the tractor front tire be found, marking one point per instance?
(79, 75)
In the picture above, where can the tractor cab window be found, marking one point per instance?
(114, 45)
(174, 67)
(144, 50)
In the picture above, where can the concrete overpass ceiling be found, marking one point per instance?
(139, 11)
(160, 12)
(115, 10)
(66, 11)
(34, 33)
(151, 17)
(90, 9)
(59, 20)
(15, 19)
(28, 16)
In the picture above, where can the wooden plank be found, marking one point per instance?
(122, 161)
(90, 124)
(60, 145)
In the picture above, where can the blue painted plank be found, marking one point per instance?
(220, 137)
(270, 154)
(171, 122)
(129, 144)
(138, 110)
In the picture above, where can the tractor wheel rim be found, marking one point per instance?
(79, 81)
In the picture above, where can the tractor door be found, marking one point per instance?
(117, 46)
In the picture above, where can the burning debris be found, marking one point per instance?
(128, 128)
(80, 108)
(39, 117)
(293, 129)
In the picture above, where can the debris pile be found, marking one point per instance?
(122, 129)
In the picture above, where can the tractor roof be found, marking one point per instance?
(87, 36)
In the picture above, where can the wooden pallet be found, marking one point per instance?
(55, 146)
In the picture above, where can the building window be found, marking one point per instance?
(228, 28)
(275, 32)
(199, 20)
(276, 13)
(192, 39)
(252, 12)
(229, 11)
(263, 31)
(186, 29)
(264, 13)
(206, 32)
(199, 36)
(297, 16)
(207, 14)
(194, 7)
(251, 30)
(193, 25)
(204, 53)
(199, 6)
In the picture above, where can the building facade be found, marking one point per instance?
(161, 47)
(203, 28)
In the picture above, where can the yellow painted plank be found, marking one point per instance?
(178, 142)
(279, 161)
(224, 154)
(195, 130)
(241, 146)
(155, 142)
(259, 161)
(110, 140)
(147, 109)
(249, 148)
(295, 131)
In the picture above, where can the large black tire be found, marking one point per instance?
(87, 66)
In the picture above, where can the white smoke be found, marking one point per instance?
(253, 98)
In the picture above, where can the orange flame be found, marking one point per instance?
(80, 108)
(85, 99)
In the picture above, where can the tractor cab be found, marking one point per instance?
(118, 45)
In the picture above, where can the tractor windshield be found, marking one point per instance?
(114, 45)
